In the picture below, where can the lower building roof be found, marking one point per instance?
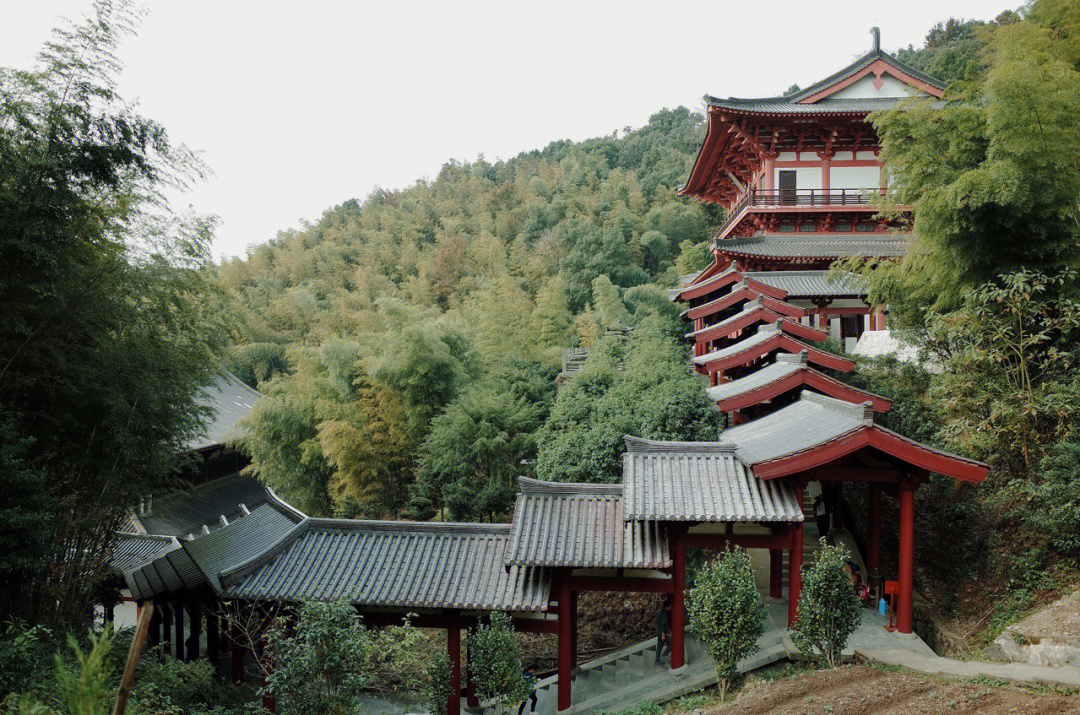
(581, 526)
(197, 562)
(814, 284)
(393, 564)
(818, 245)
(192, 511)
(699, 482)
(130, 551)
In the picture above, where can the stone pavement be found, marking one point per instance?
(1068, 677)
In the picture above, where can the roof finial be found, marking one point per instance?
(877, 38)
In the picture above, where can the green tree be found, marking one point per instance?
(83, 686)
(108, 325)
(828, 610)
(993, 176)
(496, 664)
(475, 451)
(726, 613)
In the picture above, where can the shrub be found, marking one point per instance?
(496, 664)
(829, 611)
(83, 686)
(173, 687)
(726, 613)
(436, 688)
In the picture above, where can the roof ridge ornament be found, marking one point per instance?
(799, 358)
(876, 32)
(640, 444)
(861, 411)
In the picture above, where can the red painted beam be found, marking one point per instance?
(758, 316)
(892, 444)
(809, 378)
(621, 584)
(746, 541)
(745, 293)
(780, 342)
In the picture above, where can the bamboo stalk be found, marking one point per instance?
(134, 652)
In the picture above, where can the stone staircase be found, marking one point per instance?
(631, 675)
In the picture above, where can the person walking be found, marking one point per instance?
(663, 631)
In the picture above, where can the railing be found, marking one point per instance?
(797, 198)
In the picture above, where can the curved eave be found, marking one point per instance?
(743, 294)
(761, 316)
(780, 341)
(904, 449)
(804, 377)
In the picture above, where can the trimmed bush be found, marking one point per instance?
(829, 611)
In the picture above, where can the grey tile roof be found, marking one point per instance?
(229, 400)
(184, 513)
(813, 284)
(749, 308)
(818, 245)
(810, 422)
(732, 268)
(199, 561)
(699, 481)
(130, 551)
(786, 364)
(393, 564)
(790, 103)
(763, 335)
(581, 526)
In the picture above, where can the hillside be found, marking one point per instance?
(370, 322)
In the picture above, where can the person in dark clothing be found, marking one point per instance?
(663, 630)
(530, 700)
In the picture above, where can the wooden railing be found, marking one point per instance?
(796, 198)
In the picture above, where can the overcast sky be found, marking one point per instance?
(298, 106)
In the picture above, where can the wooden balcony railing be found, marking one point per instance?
(799, 198)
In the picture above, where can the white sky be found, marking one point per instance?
(298, 106)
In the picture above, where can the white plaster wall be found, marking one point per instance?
(864, 88)
(854, 177)
(809, 156)
(805, 178)
(786, 156)
(868, 155)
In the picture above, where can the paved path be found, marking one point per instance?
(1013, 672)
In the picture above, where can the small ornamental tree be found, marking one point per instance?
(829, 611)
(496, 664)
(726, 613)
(319, 668)
(437, 687)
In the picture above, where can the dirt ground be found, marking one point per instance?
(859, 690)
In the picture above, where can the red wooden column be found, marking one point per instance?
(565, 644)
(269, 702)
(178, 622)
(873, 537)
(237, 654)
(776, 573)
(453, 650)
(194, 641)
(573, 630)
(795, 562)
(471, 698)
(678, 596)
(906, 560)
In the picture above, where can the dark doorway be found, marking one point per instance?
(787, 186)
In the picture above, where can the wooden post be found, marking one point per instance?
(795, 563)
(269, 702)
(573, 630)
(178, 623)
(237, 654)
(194, 641)
(776, 573)
(213, 636)
(146, 614)
(155, 626)
(563, 702)
(906, 560)
(873, 538)
(471, 699)
(453, 650)
(678, 596)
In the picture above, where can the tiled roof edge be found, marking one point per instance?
(539, 486)
(638, 445)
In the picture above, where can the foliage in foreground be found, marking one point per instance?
(323, 662)
(726, 613)
(495, 659)
(828, 610)
(108, 324)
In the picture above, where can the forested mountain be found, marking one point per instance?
(451, 301)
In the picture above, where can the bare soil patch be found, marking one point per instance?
(858, 690)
